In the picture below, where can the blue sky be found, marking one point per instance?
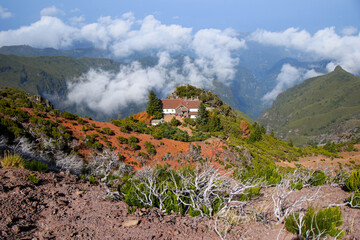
(241, 15)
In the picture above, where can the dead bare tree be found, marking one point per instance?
(283, 206)
(70, 162)
(102, 165)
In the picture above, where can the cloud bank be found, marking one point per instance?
(211, 51)
(287, 78)
(107, 92)
(325, 43)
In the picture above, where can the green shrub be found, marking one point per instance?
(121, 157)
(133, 139)
(108, 131)
(316, 225)
(190, 121)
(227, 166)
(297, 186)
(69, 115)
(134, 146)
(250, 193)
(353, 182)
(33, 179)
(92, 179)
(318, 178)
(142, 154)
(122, 139)
(37, 166)
(150, 148)
(354, 200)
(13, 161)
(174, 122)
(331, 147)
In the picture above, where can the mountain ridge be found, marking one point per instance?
(318, 110)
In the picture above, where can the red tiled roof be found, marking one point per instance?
(175, 103)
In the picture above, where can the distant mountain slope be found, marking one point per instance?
(28, 51)
(49, 75)
(318, 110)
(46, 74)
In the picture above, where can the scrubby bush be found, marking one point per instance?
(172, 190)
(134, 146)
(37, 166)
(331, 147)
(133, 139)
(190, 121)
(108, 131)
(33, 179)
(92, 179)
(297, 185)
(316, 225)
(13, 161)
(69, 115)
(121, 157)
(318, 178)
(354, 200)
(250, 193)
(353, 182)
(122, 140)
(142, 154)
(150, 148)
(174, 122)
(91, 142)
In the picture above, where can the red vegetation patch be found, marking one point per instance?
(168, 151)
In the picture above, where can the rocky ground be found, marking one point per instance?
(62, 206)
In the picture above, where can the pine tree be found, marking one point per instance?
(154, 107)
(203, 115)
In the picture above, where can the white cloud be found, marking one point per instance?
(288, 77)
(47, 32)
(77, 20)
(106, 31)
(108, 91)
(51, 11)
(350, 30)
(4, 13)
(214, 47)
(326, 43)
(152, 35)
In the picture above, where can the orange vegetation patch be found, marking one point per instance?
(347, 160)
(143, 117)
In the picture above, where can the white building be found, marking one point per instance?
(181, 107)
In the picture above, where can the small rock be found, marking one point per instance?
(62, 202)
(15, 229)
(130, 223)
(79, 192)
